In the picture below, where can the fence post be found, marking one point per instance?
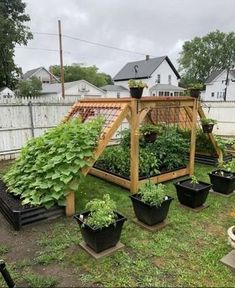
(31, 118)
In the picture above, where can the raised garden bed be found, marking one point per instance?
(211, 159)
(18, 215)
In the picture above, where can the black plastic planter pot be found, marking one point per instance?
(100, 239)
(136, 92)
(192, 195)
(207, 128)
(222, 181)
(147, 214)
(18, 215)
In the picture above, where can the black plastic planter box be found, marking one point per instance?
(222, 181)
(150, 215)
(207, 128)
(18, 215)
(192, 195)
(101, 239)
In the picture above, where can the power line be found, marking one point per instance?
(92, 43)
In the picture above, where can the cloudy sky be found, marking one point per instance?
(154, 27)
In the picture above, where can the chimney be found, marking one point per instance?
(147, 57)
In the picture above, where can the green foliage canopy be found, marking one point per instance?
(29, 88)
(202, 55)
(12, 31)
(51, 164)
(77, 72)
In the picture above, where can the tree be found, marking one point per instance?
(76, 72)
(201, 56)
(12, 32)
(29, 88)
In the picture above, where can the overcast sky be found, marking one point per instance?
(154, 27)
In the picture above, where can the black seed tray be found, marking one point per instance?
(211, 160)
(20, 215)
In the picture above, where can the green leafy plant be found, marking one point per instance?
(152, 194)
(101, 212)
(208, 121)
(230, 166)
(136, 84)
(150, 128)
(194, 180)
(195, 86)
(50, 165)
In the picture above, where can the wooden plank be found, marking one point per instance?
(110, 177)
(143, 114)
(134, 165)
(167, 176)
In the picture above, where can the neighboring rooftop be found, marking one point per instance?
(142, 69)
(215, 74)
(114, 88)
(166, 87)
(32, 72)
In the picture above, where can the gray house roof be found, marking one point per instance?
(166, 87)
(215, 74)
(142, 69)
(30, 73)
(114, 88)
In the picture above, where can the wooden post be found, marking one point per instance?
(134, 147)
(70, 204)
(193, 137)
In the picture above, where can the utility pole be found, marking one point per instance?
(61, 60)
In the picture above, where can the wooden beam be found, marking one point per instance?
(211, 136)
(143, 114)
(134, 165)
(70, 204)
(193, 138)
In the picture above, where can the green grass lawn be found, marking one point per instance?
(185, 253)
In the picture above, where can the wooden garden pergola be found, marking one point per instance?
(182, 111)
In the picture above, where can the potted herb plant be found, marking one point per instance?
(207, 124)
(151, 204)
(136, 88)
(223, 180)
(195, 89)
(191, 192)
(100, 225)
(150, 131)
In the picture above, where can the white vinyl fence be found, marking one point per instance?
(23, 119)
(224, 113)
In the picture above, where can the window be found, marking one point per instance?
(167, 93)
(158, 78)
(153, 94)
(176, 93)
(161, 93)
(212, 94)
(118, 94)
(217, 95)
(169, 79)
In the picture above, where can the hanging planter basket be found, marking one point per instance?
(195, 93)
(207, 128)
(150, 137)
(136, 92)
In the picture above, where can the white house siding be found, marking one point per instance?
(6, 93)
(114, 94)
(218, 88)
(83, 89)
(44, 76)
(164, 70)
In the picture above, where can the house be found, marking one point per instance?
(153, 71)
(6, 92)
(42, 74)
(115, 91)
(80, 89)
(216, 86)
